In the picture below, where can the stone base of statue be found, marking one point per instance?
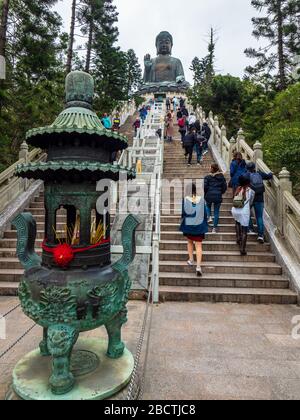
(97, 376)
(164, 87)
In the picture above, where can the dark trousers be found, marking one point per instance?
(189, 152)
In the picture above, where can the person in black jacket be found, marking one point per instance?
(215, 186)
(189, 144)
(206, 132)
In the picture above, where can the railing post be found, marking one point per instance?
(216, 126)
(24, 151)
(223, 135)
(285, 185)
(232, 148)
(258, 152)
(240, 137)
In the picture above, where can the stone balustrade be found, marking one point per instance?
(282, 208)
(10, 186)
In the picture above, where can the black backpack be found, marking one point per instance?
(257, 183)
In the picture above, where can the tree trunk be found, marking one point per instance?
(3, 26)
(71, 42)
(89, 45)
(282, 75)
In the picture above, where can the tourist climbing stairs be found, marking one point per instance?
(227, 276)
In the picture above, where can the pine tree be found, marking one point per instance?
(133, 72)
(34, 88)
(280, 27)
(71, 38)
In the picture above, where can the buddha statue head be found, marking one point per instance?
(164, 43)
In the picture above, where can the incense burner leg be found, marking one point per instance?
(115, 345)
(61, 340)
(44, 345)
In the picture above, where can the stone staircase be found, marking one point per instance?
(227, 276)
(10, 267)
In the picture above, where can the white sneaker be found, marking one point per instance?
(190, 263)
(261, 239)
(199, 271)
(214, 231)
(210, 220)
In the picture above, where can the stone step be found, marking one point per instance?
(224, 280)
(228, 295)
(222, 228)
(10, 275)
(12, 243)
(8, 288)
(241, 267)
(219, 256)
(12, 234)
(227, 220)
(180, 243)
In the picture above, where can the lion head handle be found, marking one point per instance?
(26, 229)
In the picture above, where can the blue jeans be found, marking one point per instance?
(217, 207)
(259, 214)
(199, 151)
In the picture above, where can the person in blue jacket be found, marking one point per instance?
(238, 168)
(106, 121)
(194, 226)
(143, 114)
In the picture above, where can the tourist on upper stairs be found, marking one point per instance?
(106, 121)
(241, 211)
(179, 114)
(143, 114)
(181, 102)
(215, 186)
(238, 168)
(168, 104)
(182, 128)
(175, 104)
(194, 226)
(169, 127)
(116, 123)
(257, 179)
(206, 132)
(185, 111)
(199, 146)
(189, 144)
(192, 120)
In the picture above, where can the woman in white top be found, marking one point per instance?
(242, 215)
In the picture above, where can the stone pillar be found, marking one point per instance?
(216, 126)
(223, 135)
(232, 149)
(258, 152)
(285, 185)
(240, 137)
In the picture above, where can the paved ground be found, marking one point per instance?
(197, 351)
(223, 351)
(18, 323)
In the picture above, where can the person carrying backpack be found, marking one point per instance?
(168, 104)
(116, 123)
(215, 186)
(198, 148)
(206, 132)
(241, 211)
(189, 144)
(257, 184)
(194, 226)
(182, 128)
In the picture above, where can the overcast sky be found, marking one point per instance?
(189, 22)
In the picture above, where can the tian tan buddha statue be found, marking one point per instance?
(164, 73)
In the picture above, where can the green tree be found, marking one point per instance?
(35, 52)
(133, 72)
(281, 140)
(280, 27)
